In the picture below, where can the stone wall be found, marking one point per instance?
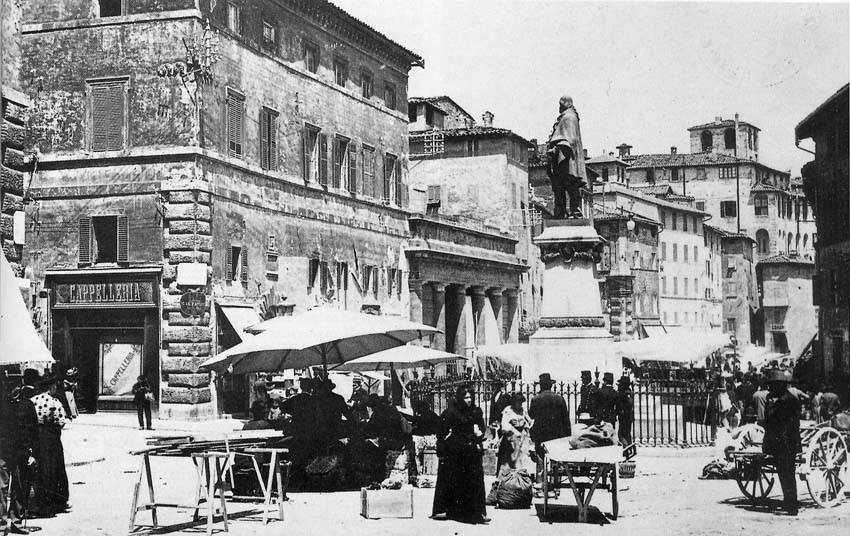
(14, 169)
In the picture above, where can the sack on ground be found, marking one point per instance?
(514, 490)
(493, 496)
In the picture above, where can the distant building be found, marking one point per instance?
(826, 183)
(790, 319)
(476, 175)
(740, 291)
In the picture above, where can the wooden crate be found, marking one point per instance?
(385, 503)
(430, 462)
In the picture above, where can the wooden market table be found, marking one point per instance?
(586, 470)
(213, 462)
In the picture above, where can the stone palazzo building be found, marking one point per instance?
(242, 157)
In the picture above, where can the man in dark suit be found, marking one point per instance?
(18, 443)
(782, 434)
(499, 400)
(606, 410)
(587, 394)
(551, 417)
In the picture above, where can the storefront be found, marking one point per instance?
(106, 322)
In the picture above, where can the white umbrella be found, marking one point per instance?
(316, 337)
(21, 343)
(400, 357)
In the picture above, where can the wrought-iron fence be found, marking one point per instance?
(665, 413)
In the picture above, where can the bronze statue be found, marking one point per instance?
(566, 161)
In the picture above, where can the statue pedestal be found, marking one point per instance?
(572, 336)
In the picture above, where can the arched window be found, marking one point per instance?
(805, 242)
(797, 244)
(788, 243)
(729, 138)
(762, 242)
(705, 140)
(760, 203)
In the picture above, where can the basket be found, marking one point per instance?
(627, 469)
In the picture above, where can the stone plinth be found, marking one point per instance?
(572, 334)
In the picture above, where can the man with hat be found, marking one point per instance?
(782, 434)
(606, 401)
(499, 400)
(625, 410)
(587, 394)
(551, 417)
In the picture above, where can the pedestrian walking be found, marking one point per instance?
(625, 410)
(51, 490)
(607, 397)
(459, 492)
(782, 434)
(587, 394)
(142, 397)
(551, 418)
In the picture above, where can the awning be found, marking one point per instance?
(240, 317)
(21, 343)
(677, 346)
(655, 331)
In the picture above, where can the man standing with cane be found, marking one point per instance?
(782, 434)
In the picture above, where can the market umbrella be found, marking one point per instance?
(317, 337)
(400, 357)
(21, 343)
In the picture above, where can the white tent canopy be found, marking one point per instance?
(400, 357)
(678, 346)
(21, 343)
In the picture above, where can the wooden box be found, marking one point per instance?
(430, 462)
(383, 503)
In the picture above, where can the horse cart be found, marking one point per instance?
(822, 465)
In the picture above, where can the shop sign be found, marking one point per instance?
(193, 304)
(118, 293)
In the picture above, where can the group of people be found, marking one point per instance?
(32, 459)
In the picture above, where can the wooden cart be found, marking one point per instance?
(582, 470)
(822, 465)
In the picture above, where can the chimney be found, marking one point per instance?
(487, 118)
(673, 150)
(717, 119)
(625, 149)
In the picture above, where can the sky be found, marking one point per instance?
(640, 73)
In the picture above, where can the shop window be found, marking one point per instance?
(728, 209)
(311, 56)
(340, 71)
(367, 85)
(234, 18)
(235, 123)
(111, 8)
(340, 160)
(368, 171)
(268, 139)
(236, 264)
(103, 239)
(269, 42)
(107, 115)
(389, 95)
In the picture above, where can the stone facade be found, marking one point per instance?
(259, 175)
(740, 292)
(826, 182)
(790, 319)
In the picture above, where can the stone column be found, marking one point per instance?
(478, 300)
(416, 304)
(458, 341)
(510, 315)
(494, 294)
(438, 314)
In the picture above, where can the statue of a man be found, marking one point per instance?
(566, 161)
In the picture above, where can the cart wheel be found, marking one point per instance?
(754, 482)
(826, 461)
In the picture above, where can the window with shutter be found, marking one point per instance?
(311, 153)
(340, 160)
(235, 123)
(85, 240)
(323, 159)
(123, 239)
(390, 162)
(244, 266)
(312, 272)
(228, 264)
(104, 239)
(368, 171)
(268, 139)
(107, 115)
(352, 169)
(375, 280)
(399, 185)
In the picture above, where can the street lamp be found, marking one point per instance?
(630, 224)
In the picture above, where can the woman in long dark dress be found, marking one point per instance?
(459, 493)
(51, 493)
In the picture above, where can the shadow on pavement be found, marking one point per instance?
(563, 513)
(198, 526)
(764, 506)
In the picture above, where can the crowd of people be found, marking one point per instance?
(32, 459)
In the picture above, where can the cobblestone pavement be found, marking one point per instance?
(665, 498)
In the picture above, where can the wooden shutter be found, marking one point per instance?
(305, 138)
(264, 139)
(368, 172)
(352, 169)
(123, 239)
(272, 119)
(244, 274)
(399, 194)
(337, 156)
(228, 263)
(323, 159)
(107, 117)
(85, 240)
(234, 124)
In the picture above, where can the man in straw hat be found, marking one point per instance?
(782, 434)
(551, 417)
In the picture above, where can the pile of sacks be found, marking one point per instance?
(513, 490)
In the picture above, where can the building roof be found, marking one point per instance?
(723, 123)
(472, 132)
(654, 189)
(784, 258)
(362, 33)
(616, 188)
(764, 187)
(826, 109)
(726, 234)
(437, 101)
(681, 160)
(605, 159)
(607, 215)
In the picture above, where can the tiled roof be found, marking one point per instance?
(607, 215)
(436, 101)
(471, 132)
(727, 234)
(654, 189)
(829, 107)
(764, 187)
(723, 123)
(681, 160)
(605, 159)
(784, 258)
(678, 197)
